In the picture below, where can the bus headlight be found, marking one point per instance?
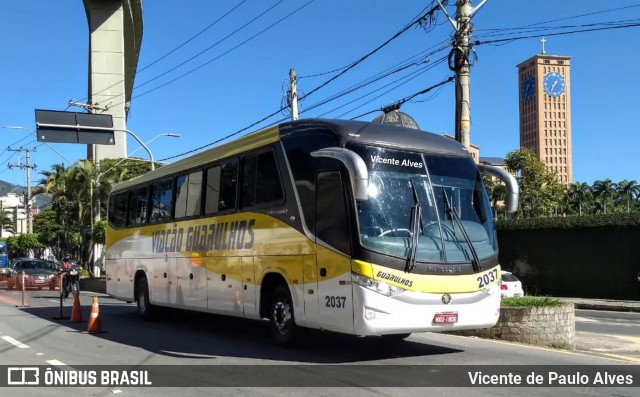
(375, 285)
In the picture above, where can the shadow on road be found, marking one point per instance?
(193, 335)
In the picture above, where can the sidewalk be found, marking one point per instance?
(605, 304)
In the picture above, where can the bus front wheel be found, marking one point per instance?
(282, 321)
(143, 304)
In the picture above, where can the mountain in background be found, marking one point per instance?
(40, 200)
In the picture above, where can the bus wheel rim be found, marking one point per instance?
(282, 316)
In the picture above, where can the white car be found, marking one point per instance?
(510, 286)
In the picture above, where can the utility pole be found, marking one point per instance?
(293, 80)
(28, 166)
(462, 67)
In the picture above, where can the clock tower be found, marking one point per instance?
(545, 111)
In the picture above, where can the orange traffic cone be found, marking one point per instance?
(94, 320)
(76, 312)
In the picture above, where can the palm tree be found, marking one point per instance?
(628, 189)
(579, 192)
(605, 191)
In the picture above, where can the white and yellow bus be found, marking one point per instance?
(353, 227)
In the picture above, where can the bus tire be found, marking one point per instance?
(143, 304)
(281, 317)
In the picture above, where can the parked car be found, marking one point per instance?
(37, 274)
(510, 286)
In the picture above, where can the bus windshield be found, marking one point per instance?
(447, 193)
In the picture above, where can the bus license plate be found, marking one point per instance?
(445, 318)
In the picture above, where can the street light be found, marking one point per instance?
(169, 134)
(86, 127)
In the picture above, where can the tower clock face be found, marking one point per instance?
(528, 89)
(553, 84)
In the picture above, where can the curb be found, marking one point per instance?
(613, 308)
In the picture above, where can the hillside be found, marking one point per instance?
(6, 187)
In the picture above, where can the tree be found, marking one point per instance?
(627, 190)
(50, 232)
(6, 223)
(578, 194)
(540, 192)
(604, 191)
(79, 193)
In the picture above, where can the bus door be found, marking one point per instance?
(333, 247)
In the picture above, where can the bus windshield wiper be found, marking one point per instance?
(416, 226)
(475, 261)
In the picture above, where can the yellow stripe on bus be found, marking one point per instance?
(431, 283)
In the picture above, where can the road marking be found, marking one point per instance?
(56, 363)
(15, 342)
(625, 358)
(633, 339)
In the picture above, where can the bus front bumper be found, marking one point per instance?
(377, 314)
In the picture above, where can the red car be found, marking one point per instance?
(37, 274)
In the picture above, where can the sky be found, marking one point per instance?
(240, 78)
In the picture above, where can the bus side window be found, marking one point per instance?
(161, 196)
(188, 191)
(118, 210)
(261, 183)
(138, 207)
(220, 191)
(332, 220)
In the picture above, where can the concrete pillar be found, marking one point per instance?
(115, 28)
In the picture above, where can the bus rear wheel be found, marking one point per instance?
(143, 304)
(281, 317)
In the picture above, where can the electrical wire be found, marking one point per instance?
(172, 51)
(414, 22)
(350, 66)
(550, 34)
(224, 53)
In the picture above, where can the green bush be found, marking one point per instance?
(572, 222)
(531, 301)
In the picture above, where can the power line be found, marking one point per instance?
(172, 51)
(194, 36)
(226, 52)
(633, 25)
(415, 21)
(350, 66)
(363, 58)
(406, 99)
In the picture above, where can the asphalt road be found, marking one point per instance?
(611, 333)
(215, 351)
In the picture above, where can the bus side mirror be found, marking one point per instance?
(509, 181)
(358, 173)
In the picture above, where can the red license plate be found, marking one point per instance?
(445, 318)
